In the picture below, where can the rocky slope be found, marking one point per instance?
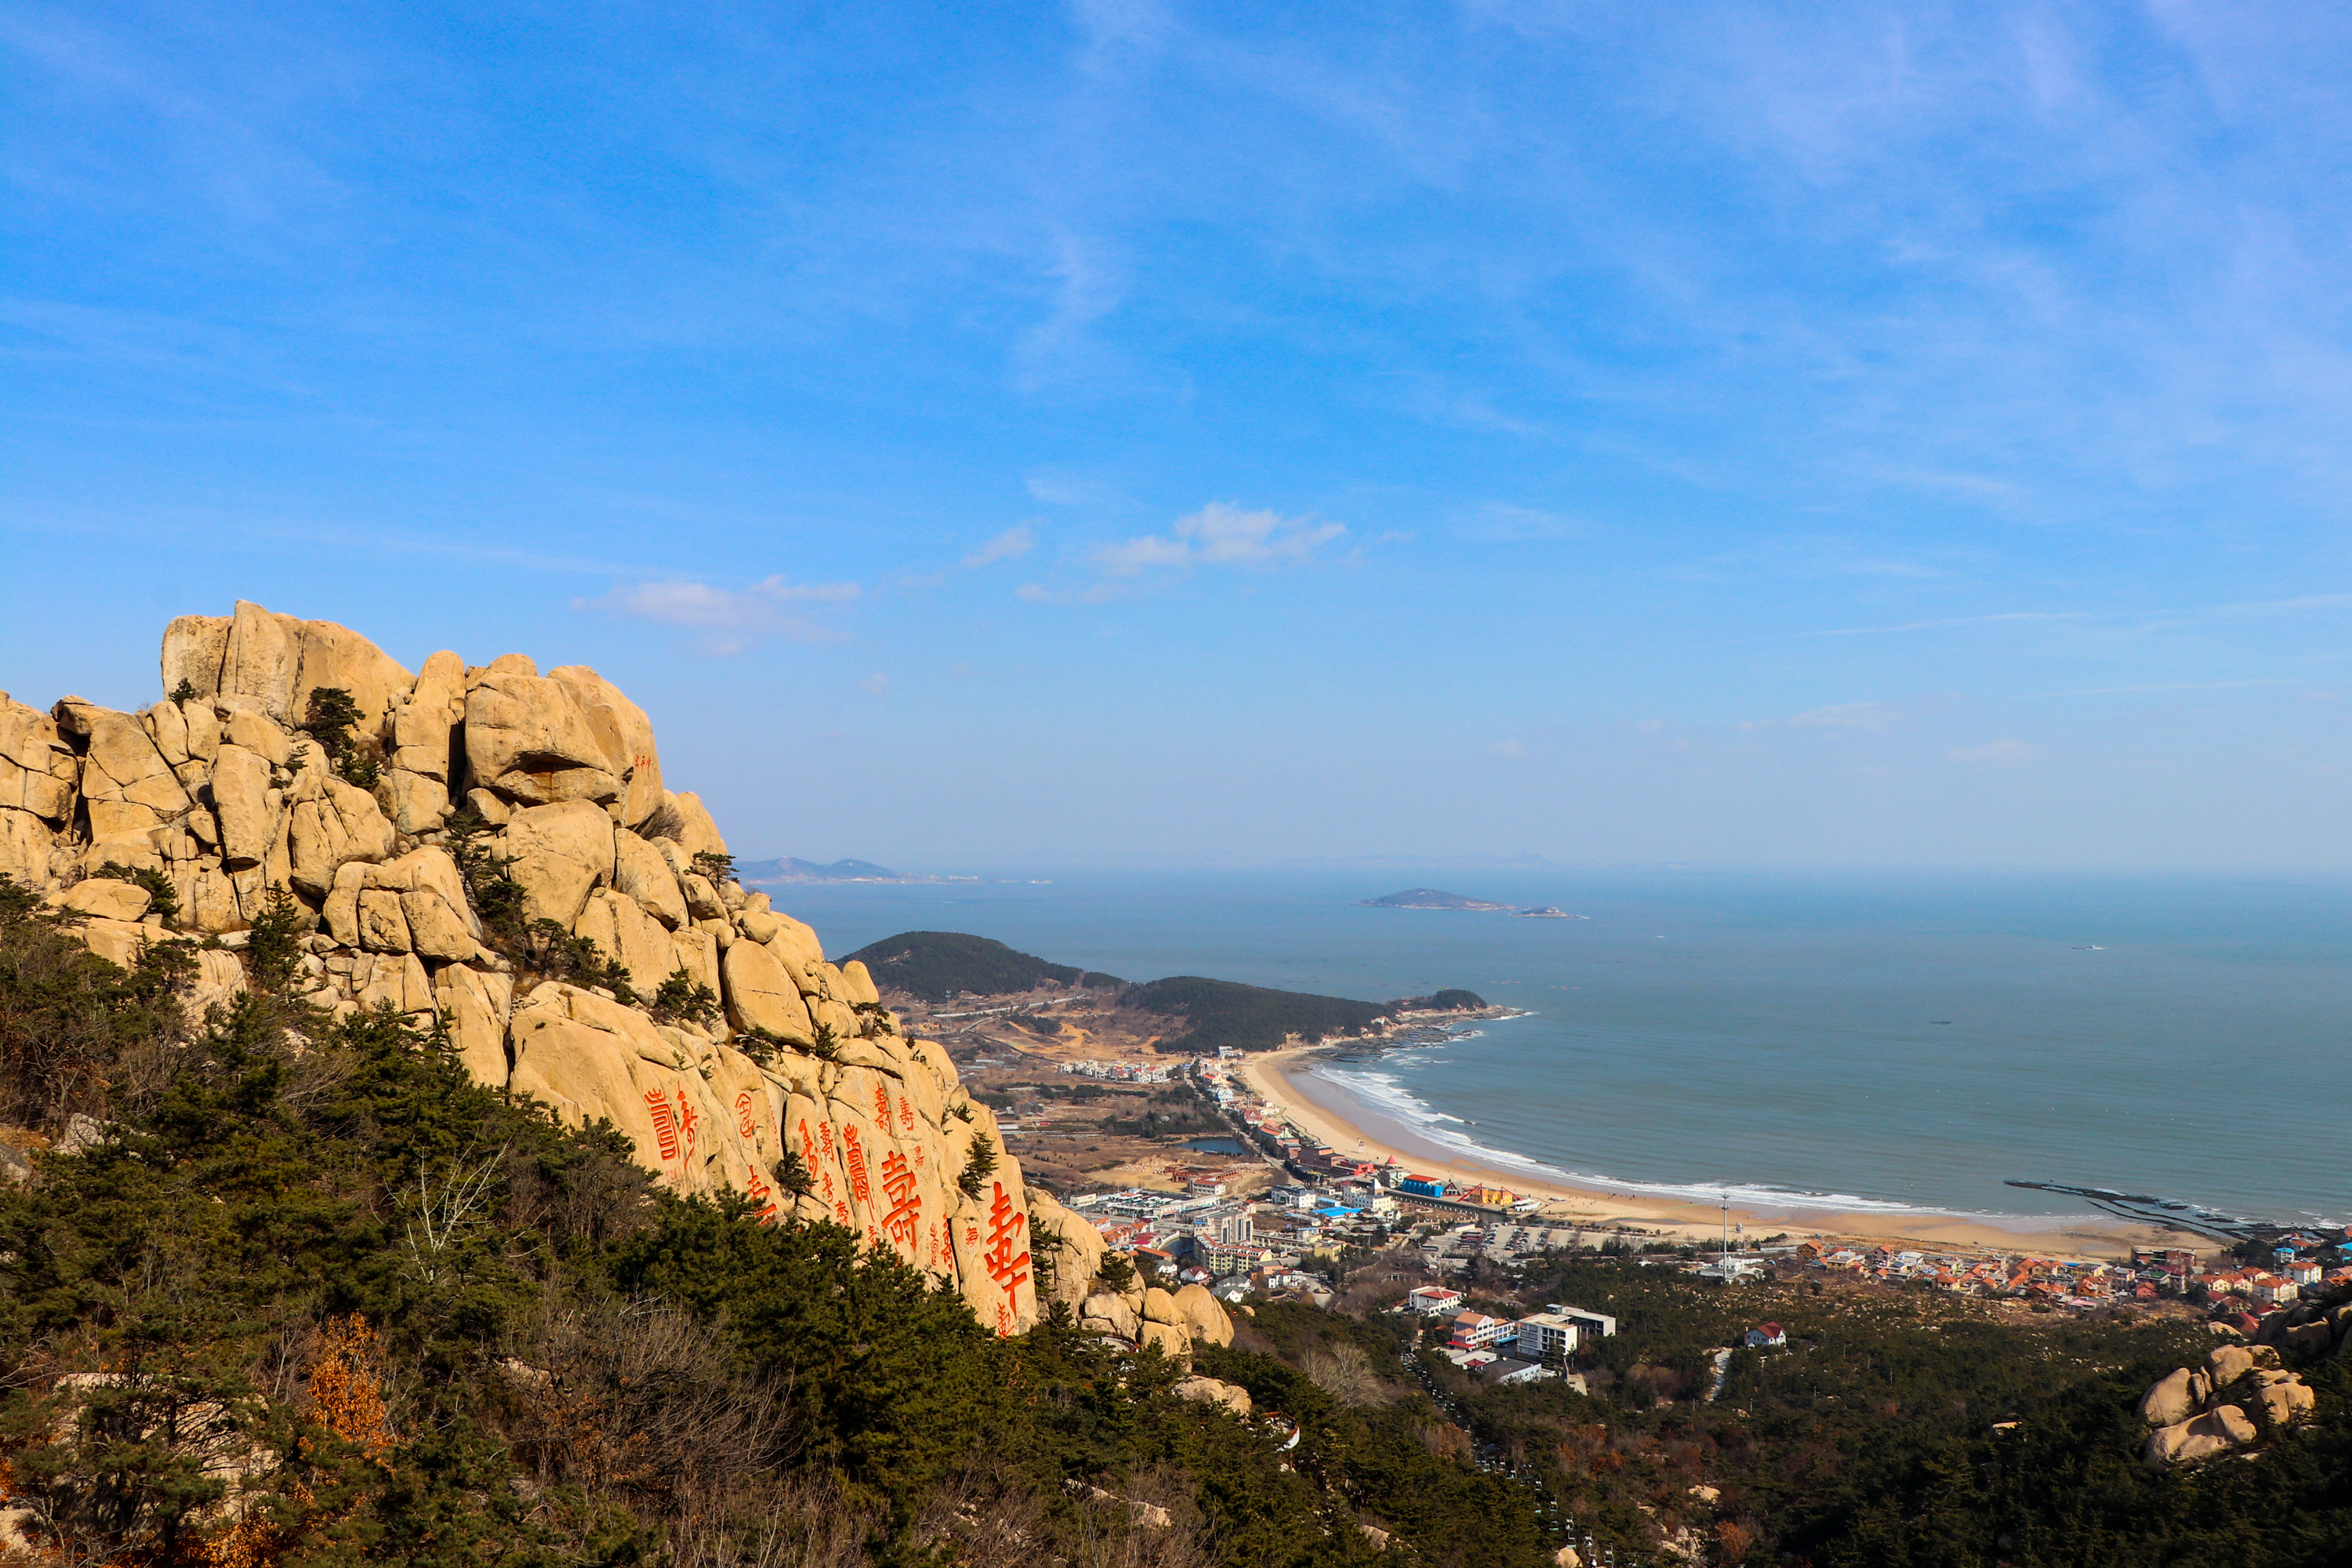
(2213, 1410)
(451, 842)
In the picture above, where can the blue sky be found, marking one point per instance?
(991, 436)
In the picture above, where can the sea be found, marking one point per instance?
(1865, 1043)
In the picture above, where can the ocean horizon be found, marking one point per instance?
(1875, 1043)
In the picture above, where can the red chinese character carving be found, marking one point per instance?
(906, 1114)
(762, 1194)
(1005, 1225)
(841, 1213)
(882, 1104)
(825, 1137)
(664, 1127)
(905, 1216)
(808, 1144)
(744, 1120)
(688, 1118)
(853, 1157)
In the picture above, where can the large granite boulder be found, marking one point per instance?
(529, 741)
(561, 853)
(2219, 1431)
(270, 663)
(624, 736)
(2173, 1399)
(1204, 1316)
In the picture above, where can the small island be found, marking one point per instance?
(1548, 912)
(1431, 899)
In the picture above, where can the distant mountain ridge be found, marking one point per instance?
(1203, 1015)
(938, 966)
(792, 868)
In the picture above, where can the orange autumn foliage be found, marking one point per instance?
(346, 1390)
(347, 1399)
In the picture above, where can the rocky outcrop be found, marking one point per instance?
(1208, 1391)
(2201, 1414)
(791, 1087)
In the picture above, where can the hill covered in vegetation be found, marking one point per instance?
(938, 966)
(304, 1293)
(1217, 1014)
(1193, 1014)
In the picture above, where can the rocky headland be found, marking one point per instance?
(496, 851)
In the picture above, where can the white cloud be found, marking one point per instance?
(2006, 753)
(728, 619)
(1510, 751)
(1955, 621)
(1220, 535)
(1014, 542)
(875, 684)
(1872, 717)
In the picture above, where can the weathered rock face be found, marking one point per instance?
(1208, 1390)
(2197, 1415)
(2217, 1431)
(1204, 1316)
(220, 792)
(2171, 1401)
(530, 740)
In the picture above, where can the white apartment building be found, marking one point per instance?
(1547, 1336)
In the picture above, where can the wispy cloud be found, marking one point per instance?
(1219, 535)
(728, 620)
(1010, 545)
(2161, 686)
(1954, 621)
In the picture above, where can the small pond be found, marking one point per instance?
(1216, 1145)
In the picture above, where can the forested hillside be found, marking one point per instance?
(1217, 1014)
(936, 965)
(303, 1294)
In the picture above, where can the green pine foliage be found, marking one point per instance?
(309, 1296)
(490, 887)
(407, 1320)
(937, 965)
(1224, 1012)
(681, 998)
(978, 1165)
(273, 946)
(162, 898)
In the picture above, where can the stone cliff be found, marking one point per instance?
(496, 849)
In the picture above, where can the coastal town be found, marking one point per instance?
(1262, 1208)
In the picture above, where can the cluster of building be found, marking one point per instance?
(1236, 1248)
(2299, 1262)
(1127, 1072)
(1504, 1350)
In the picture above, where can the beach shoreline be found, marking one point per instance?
(1326, 1113)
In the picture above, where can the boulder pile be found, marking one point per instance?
(495, 850)
(2201, 1414)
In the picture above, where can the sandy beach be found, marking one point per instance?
(1325, 1113)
